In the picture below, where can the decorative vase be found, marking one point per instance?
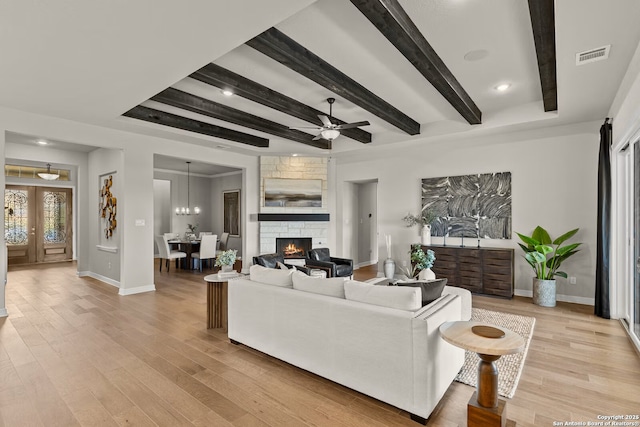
(227, 268)
(389, 268)
(544, 292)
(426, 234)
(426, 274)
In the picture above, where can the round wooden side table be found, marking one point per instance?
(490, 342)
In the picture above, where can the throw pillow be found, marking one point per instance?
(333, 287)
(281, 266)
(271, 276)
(402, 298)
(431, 290)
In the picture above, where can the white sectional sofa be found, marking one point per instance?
(395, 355)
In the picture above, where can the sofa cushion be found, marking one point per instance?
(431, 289)
(400, 297)
(333, 287)
(271, 276)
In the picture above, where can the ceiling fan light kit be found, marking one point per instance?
(330, 130)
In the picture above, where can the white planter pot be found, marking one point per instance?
(427, 274)
(389, 268)
(544, 292)
(426, 235)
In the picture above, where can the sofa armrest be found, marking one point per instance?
(465, 295)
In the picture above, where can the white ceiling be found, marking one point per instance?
(93, 61)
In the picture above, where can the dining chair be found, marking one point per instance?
(207, 249)
(166, 253)
(224, 238)
(204, 233)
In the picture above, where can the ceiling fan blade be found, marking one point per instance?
(325, 120)
(307, 127)
(352, 125)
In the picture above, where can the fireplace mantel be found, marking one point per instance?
(318, 217)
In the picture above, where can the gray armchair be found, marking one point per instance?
(334, 266)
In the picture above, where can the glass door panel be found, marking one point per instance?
(53, 238)
(19, 222)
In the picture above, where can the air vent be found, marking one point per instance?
(593, 55)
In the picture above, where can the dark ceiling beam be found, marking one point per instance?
(167, 119)
(544, 37)
(224, 79)
(196, 104)
(392, 21)
(289, 53)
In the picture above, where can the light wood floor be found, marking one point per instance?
(73, 352)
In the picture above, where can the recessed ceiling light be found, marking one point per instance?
(502, 87)
(294, 155)
(227, 92)
(42, 142)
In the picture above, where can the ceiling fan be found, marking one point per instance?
(329, 130)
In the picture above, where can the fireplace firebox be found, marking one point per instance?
(293, 247)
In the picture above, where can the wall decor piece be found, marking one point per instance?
(296, 193)
(108, 207)
(231, 218)
(469, 205)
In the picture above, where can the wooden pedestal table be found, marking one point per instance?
(490, 342)
(217, 288)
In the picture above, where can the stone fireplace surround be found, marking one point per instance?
(278, 222)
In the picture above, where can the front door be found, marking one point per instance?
(38, 224)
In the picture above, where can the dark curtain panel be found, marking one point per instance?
(604, 216)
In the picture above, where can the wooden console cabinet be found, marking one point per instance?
(486, 271)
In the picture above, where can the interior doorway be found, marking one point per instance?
(38, 224)
(360, 230)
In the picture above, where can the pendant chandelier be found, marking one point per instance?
(48, 175)
(187, 210)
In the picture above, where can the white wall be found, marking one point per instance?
(162, 211)
(136, 202)
(105, 264)
(554, 182)
(200, 195)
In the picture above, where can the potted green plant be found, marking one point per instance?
(424, 220)
(226, 259)
(545, 256)
(420, 261)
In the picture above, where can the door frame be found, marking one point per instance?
(36, 250)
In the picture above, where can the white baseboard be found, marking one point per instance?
(100, 277)
(3, 312)
(559, 297)
(364, 264)
(137, 290)
(130, 291)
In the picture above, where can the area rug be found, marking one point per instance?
(509, 366)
